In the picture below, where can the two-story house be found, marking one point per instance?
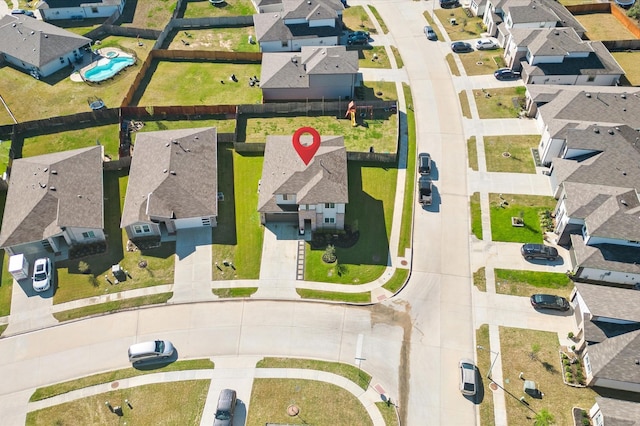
(314, 73)
(313, 196)
(78, 9)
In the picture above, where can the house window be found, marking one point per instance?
(88, 234)
(94, 9)
(61, 60)
(141, 229)
(329, 220)
(329, 205)
(587, 364)
(591, 78)
(598, 419)
(285, 43)
(285, 197)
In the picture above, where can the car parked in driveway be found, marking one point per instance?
(486, 44)
(358, 39)
(538, 251)
(428, 31)
(424, 163)
(461, 47)
(226, 408)
(549, 301)
(448, 4)
(23, 12)
(506, 74)
(41, 278)
(358, 34)
(467, 377)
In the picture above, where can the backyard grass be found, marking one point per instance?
(373, 57)
(375, 91)
(320, 403)
(234, 292)
(535, 353)
(397, 56)
(355, 18)
(529, 206)
(351, 372)
(111, 376)
(172, 83)
(433, 25)
(203, 9)
(526, 283)
(112, 306)
(451, 61)
(604, 26)
(476, 215)
(6, 279)
(58, 95)
(71, 284)
(79, 27)
(397, 280)
(464, 104)
(334, 296)
(232, 39)
(220, 123)
(484, 358)
(481, 62)
(106, 136)
(389, 413)
(511, 153)
(480, 279)
(238, 236)
(376, 14)
(499, 103)
(370, 210)
(465, 27)
(5, 118)
(472, 153)
(406, 226)
(629, 62)
(379, 133)
(147, 14)
(179, 403)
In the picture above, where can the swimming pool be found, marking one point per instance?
(107, 70)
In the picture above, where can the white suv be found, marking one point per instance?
(486, 44)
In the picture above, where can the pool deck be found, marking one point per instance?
(91, 60)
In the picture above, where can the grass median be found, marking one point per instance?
(113, 306)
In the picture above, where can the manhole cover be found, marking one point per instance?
(479, 63)
(493, 386)
(293, 410)
(404, 263)
(506, 154)
(114, 385)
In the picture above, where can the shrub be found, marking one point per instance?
(329, 255)
(570, 335)
(84, 267)
(568, 376)
(586, 422)
(566, 362)
(634, 11)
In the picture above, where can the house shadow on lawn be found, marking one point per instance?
(225, 231)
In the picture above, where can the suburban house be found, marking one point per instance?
(478, 7)
(173, 183)
(266, 6)
(300, 23)
(37, 47)
(608, 335)
(78, 9)
(314, 73)
(612, 412)
(559, 56)
(313, 196)
(54, 202)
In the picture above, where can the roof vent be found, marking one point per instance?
(32, 32)
(588, 95)
(54, 172)
(165, 171)
(168, 144)
(624, 203)
(623, 96)
(46, 169)
(53, 188)
(79, 196)
(533, 7)
(175, 142)
(294, 60)
(172, 172)
(596, 130)
(46, 36)
(13, 25)
(611, 132)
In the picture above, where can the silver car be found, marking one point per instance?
(226, 407)
(467, 377)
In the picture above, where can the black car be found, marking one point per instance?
(549, 301)
(461, 46)
(506, 74)
(448, 4)
(424, 163)
(538, 251)
(425, 191)
(358, 34)
(358, 39)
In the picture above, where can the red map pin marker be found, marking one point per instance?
(306, 152)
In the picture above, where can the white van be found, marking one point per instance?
(154, 349)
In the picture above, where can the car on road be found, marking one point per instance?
(467, 377)
(41, 278)
(506, 74)
(461, 47)
(425, 189)
(538, 251)
(153, 349)
(226, 408)
(358, 39)
(23, 12)
(428, 31)
(486, 44)
(549, 301)
(424, 163)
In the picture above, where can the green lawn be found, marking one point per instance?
(234, 292)
(526, 283)
(112, 306)
(484, 358)
(379, 133)
(370, 210)
(373, 57)
(335, 296)
(238, 236)
(147, 14)
(179, 403)
(202, 9)
(499, 103)
(476, 215)
(629, 60)
(482, 62)
(172, 83)
(472, 153)
(73, 285)
(355, 18)
(378, 17)
(106, 135)
(535, 353)
(6, 280)
(409, 183)
(452, 65)
(529, 206)
(511, 153)
(464, 104)
(375, 91)
(397, 280)
(465, 27)
(319, 403)
(232, 39)
(397, 56)
(222, 124)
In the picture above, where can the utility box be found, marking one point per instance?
(19, 266)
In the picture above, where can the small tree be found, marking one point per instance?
(535, 348)
(543, 418)
(84, 267)
(634, 11)
(329, 255)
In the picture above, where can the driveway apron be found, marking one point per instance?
(193, 269)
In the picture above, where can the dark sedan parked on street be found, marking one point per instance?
(549, 301)
(538, 251)
(461, 47)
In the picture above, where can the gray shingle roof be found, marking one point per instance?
(614, 358)
(271, 27)
(531, 12)
(324, 180)
(36, 42)
(617, 412)
(57, 4)
(605, 257)
(50, 192)
(611, 302)
(172, 180)
(296, 9)
(556, 42)
(288, 70)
